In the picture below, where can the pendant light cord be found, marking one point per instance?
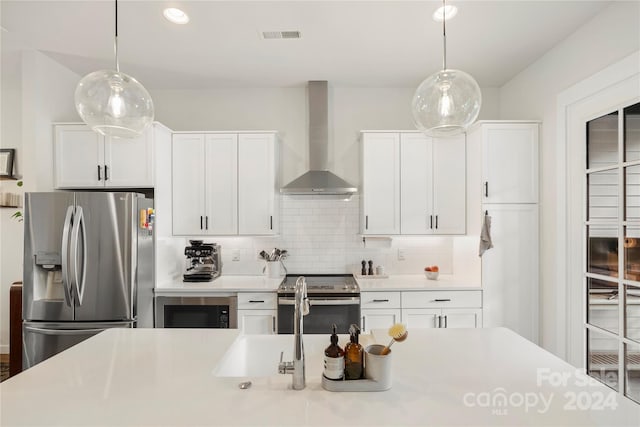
(444, 36)
(116, 40)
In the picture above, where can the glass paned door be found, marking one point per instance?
(612, 242)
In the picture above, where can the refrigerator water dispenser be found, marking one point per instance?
(48, 276)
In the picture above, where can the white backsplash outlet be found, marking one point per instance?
(321, 236)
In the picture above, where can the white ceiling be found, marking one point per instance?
(356, 43)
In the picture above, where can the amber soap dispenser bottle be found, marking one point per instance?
(354, 355)
(334, 359)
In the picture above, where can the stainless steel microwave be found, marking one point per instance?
(196, 312)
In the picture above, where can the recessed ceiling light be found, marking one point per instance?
(449, 12)
(176, 15)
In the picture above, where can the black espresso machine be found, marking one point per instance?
(203, 263)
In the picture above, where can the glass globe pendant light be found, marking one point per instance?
(447, 102)
(113, 103)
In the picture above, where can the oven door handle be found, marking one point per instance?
(320, 301)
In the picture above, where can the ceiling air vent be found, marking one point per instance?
(267, 35)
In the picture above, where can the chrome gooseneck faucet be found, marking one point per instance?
(301, 309)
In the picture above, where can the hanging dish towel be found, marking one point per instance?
(485, 235)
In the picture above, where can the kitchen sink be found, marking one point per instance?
(259, 355)
(255, 356)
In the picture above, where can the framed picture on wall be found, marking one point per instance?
(6, 162)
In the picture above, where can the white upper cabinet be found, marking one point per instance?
(509, 162)
(205, 182)
(79, 157)
(432, 183)
(257, 184)
(224, 184)
(221, 172)
(86, 159)
(188, 184)
(380, 200)
(129, 162)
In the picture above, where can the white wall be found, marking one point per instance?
(607, 38)
(285, 110)
(36, 91)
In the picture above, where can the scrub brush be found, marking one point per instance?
(398, 333)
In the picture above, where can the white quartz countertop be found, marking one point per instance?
(221, 284)
(455, 377)
(239, 283)
(417, 282)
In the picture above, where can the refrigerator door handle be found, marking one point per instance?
(47, 331)
(79, 280)
(65, 256)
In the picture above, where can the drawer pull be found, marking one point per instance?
(256, 301)
(380, 300)
(442, 300)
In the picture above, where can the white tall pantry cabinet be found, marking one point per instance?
(508, 184)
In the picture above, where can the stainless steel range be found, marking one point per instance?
(334, 299)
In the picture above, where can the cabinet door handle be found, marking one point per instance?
(442, 300)
(200, 222)
(439, 321)
(430, 221)
(364, 328)
(99, 173)
(270, 222)
(106, 173)
(380, 300)
(436, 222)
(256, 301)
(445, 321)
(366, 222)
(206, 222)
(273, 318)
(486, 189)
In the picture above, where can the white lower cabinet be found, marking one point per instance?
(442, 309)
(257, 312)
(422, 309)
(379, 310)
(379, 318)
(419, 318)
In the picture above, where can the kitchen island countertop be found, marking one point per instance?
(127, 377)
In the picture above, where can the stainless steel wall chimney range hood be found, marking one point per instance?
(319, 180)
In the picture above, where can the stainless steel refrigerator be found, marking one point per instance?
(88, 266)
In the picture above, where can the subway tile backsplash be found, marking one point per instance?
(321, 236)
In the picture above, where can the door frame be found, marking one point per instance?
(605, 91)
